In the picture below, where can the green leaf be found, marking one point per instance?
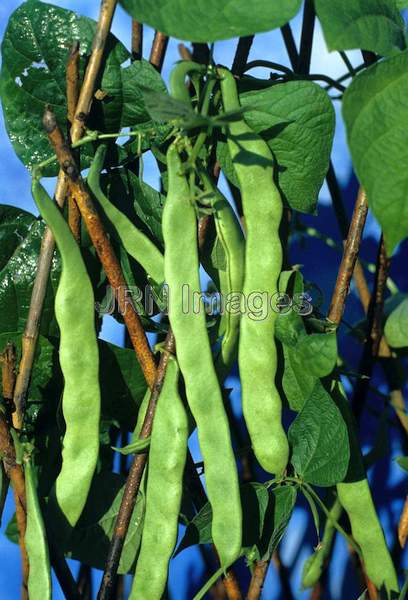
(281, 505)
(317, 353)
(35, 51)
(297, 383)
(375, 112)
(296, 119)
(319, 440)
(396, 326)
(209, 21)
(403, 462)
(20, 236)
(374, 25)
(89, 540)
(134, 448)
(11, 530)
(162, 107)
(402, 4)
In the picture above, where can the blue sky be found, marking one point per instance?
(15, 189)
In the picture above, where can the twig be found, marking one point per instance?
(137, 40)
(241, 54)
(31, 331)
(403, 525)
(13, 470)
(72, 80)
(83, 107)
(158, 50)
(84, 582)
(351, 250)
(102, 245)
(306, 41)
(184, 52)
(257, 580)
(290, 45)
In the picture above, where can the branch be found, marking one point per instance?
(351, 250)
(137, 40)
(158, 50)
(306, 42)
(83, 106)
(72, 81)
(290, 45)
(241, 55)
(31, 331)
(102, 246)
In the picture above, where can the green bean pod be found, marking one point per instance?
(167, 457)
(79, 360)
(257, 356)
(230, 234)
(177, 82)
(356, 499)
(39, 578)
(314, 565)
(181, 267)
(135, 242)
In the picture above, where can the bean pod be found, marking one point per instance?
(39, 578)
(79, 360)
(181, 266)
(135, 242)
(257, 356)
(167, 457)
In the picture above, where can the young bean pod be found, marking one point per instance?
(135, 242)
(257, 356)
(167, 457)
(181, 266)
(314, 565)
(79, 360)
(177, 83)
(39, 578)
(230, 235)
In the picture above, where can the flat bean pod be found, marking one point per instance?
(257, 356)
(167, 457)
(79, 360)
(230, 234)
(181, 265)
(135, 242)
(39, 578)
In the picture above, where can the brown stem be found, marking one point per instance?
(231, 586)
(13, 470)
(241, 54)
(83, 107)
(257, 580)
(102, 245)
(403, 525)
(84, 582)
(137, 40)
(31, 331)
(72, 80)
(350, 253)
(381, 283)
(158, 50)
(184, 52)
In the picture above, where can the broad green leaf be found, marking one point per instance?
(319, 440)
(281, 505)
(376, 113)
(210, 20)
(374, 25)
(402, 4)
(21, 235)
(89, 540)
(317, 353)
(34, 55)
(296, 119)
(396, 326)
(297, 383)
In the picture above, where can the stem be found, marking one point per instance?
(257, 580)
(241, 55)
(72, 81)
(102, 245)
(306, 41)
(137, 40)
(31, 331)
(158, 50)
(351, 250)
(184, 52)
(290, 44)
(348, 64)
(107, 9)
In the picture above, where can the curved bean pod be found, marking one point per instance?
(135, 242)
(79, 360)
(39, 578)
(181, 267)
(167, 457)
(257, 357)
(177, 83)
(230, 234)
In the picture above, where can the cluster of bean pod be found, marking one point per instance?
(253, 263)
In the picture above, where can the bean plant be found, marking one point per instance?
(242, 393)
